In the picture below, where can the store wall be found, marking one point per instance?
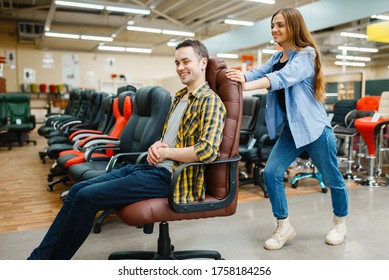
(94, 68)
(95, 71)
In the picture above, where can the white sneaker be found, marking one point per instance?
(338, 232)
(284, 232)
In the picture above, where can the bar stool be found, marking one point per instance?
(369, 129)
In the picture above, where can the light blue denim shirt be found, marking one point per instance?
(306, 116)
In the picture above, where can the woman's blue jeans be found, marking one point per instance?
(323, 154)
(113, 190)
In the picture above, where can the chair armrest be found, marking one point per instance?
(84, 133)
(115, 158)
(141, 158)
(98, 140)
(89, 152)
(198, 206)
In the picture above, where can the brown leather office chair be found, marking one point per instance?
(221, 181)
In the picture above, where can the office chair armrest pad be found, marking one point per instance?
(206, 206)
(89, 152)
(115, 158)
(98, 140)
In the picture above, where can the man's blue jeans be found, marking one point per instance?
(113, 190)
(322, 152)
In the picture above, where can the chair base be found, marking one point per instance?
(257, 180)
(165, 250)
(315, 175)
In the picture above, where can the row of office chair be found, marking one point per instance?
(149, 110)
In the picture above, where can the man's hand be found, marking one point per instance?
(155, 153)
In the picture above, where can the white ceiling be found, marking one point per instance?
(203, 17)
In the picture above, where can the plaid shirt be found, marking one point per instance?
(201, 126)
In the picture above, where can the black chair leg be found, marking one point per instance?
(99, 221)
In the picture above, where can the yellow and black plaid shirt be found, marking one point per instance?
(201, 126)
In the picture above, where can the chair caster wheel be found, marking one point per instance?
(96, 228)
(49, 188)
(324, 190)
(295, 184)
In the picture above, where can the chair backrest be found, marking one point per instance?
(341, 109)
(249, 117)
(107, 119)
(18, 107)
(383, 108)
(122, 111)
(94, 113)
(149, 111)
(250, 112)
(3, 113)
(84, 106)
(260, 125)
(125, 88)
(368, 103)
(75, 102)
(230, 92)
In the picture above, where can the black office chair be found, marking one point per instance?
(150, 108)
(257, 151)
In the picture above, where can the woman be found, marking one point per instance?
(294, 80)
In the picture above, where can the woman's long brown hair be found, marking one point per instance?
(300, 37)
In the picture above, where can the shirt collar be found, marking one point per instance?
(195, 93)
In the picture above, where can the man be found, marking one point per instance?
(192, 132)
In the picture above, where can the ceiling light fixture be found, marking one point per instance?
(228, 55)
(263, 1)
(143, 29)
(172, 43)
(62, 35)
(80, 5)
(127, 10)
(382, 17)
(356, 58)
(347, 63)
(356, 49)
(353, 35)
(238, 22)
(96, 38)
(96, 5)
(178, 33)
(138, 50)
(111, 48)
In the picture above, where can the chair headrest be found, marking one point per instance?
(125, 103)
(215, 65)
(146, 98)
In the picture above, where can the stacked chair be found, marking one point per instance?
(220, 175)
(121, 112)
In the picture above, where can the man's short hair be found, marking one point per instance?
(199, 48)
